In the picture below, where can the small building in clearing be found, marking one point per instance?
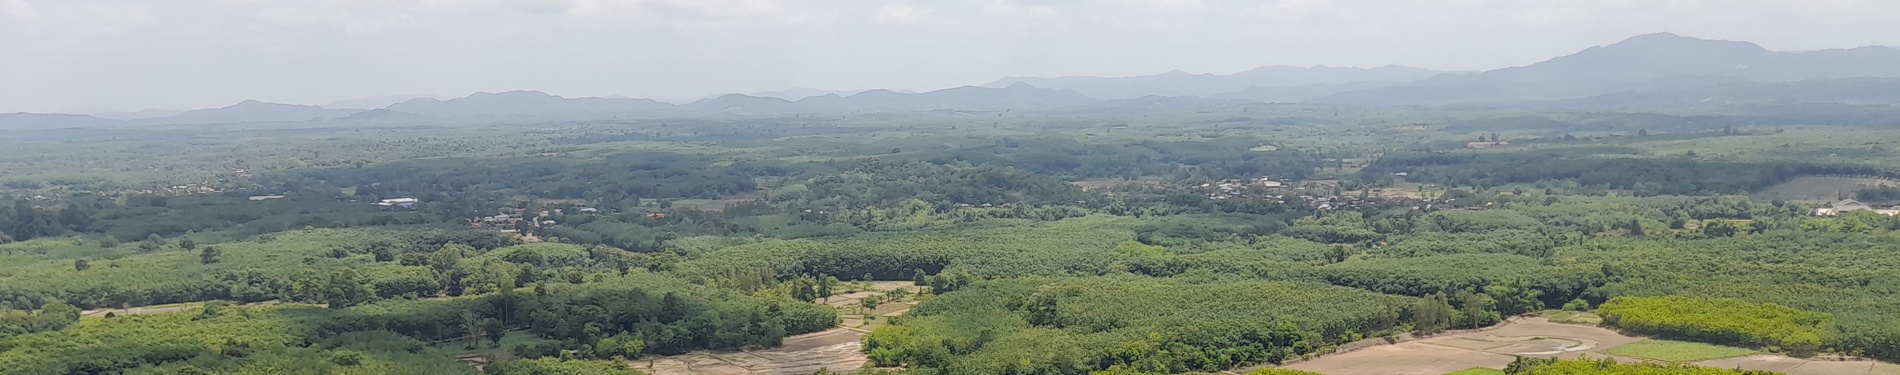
(1850, 205)
(399, 202)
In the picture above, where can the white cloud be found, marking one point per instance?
(338, 19)
(901, 14)
(1007, 8)
(84, 17)
(1169, 5)
(18, 10)
(1288, 10)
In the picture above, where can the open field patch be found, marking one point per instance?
(836, 349)
(1412, 358)
(1465, 353)
(1798, 366)
(1677, 351)
(1573, 317)
(1477, 371)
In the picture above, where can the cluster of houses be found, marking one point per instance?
(1318, 194)
(186, 189)
(511, 219)
(1237, 188)
(1850, 205)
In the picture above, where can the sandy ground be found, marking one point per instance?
(835, 349)
(1538, 337)
(838, 349)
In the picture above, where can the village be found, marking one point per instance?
(1320, 194)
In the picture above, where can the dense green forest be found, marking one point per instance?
(1022, 243)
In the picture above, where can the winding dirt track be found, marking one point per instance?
(1538, 337)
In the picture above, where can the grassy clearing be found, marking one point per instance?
(1678, 351)
(1573, 317)
(1477, 371)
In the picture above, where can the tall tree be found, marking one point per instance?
(210, 255)
(1431, 314)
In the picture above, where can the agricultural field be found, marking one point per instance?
(1536, 337)
(837, 349)
(1677, 351)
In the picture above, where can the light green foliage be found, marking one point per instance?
(1433, 314)
(1477, 371)
(1727, 321)
(131, 341)
(1141, 250)
(1573, 317)
(1677, 351)
(553, 366)
(1092, 323)
(1280, 371)
(1542, 366)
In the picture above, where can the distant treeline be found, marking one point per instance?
(1612, 167)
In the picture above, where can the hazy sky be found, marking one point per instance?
(68, 55)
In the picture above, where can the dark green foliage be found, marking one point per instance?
(625, 176)
(210, 255)
(1608, 166)
(885, 185)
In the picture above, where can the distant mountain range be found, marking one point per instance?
(797, 93)
(1645, 63)
(250, 111)
(1178, 83)
(39, 121)
(525, 104)
(1647, 70)
(374, 101)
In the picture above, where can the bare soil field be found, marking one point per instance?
(1410, 358)
(1538, 337)
(1820, 189)
(836, 349)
